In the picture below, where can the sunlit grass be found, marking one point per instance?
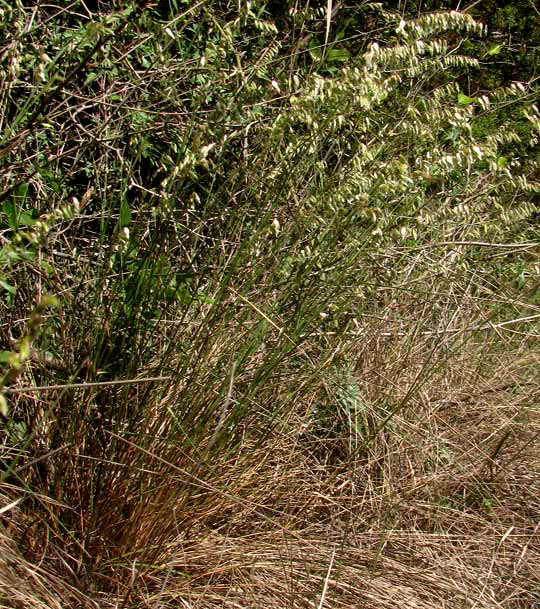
(258, 350)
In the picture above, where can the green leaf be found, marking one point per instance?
(17, 430)
(47, 267)
(495, 49)
(21, 191)
(465, 100)
(4, 410)
(90, 78)
(28, 218)
(315, 50)
(125, 214)
(50, 179)
(4, 357)
(11, 213)
(340, 55)
(10, 288)
(139, 118)
(205, 299)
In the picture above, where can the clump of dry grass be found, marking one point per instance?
(32, 572)
(437, 512)
(438, 508)
(269, 378)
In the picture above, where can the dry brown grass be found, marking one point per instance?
(437, 509)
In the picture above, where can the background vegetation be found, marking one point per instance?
(270, 291)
